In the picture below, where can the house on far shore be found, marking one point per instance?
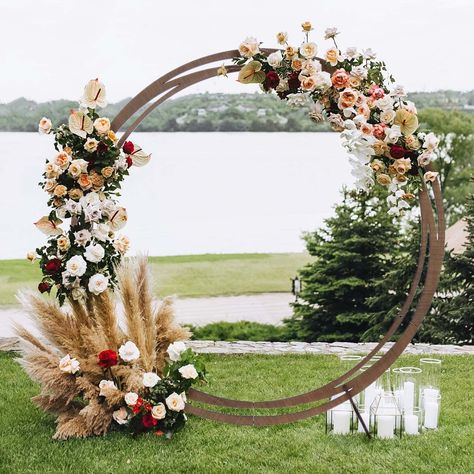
(456, 237)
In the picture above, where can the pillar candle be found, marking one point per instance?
(399, 397)
(385, 426)
(430, 394)
(431, 414)
(408, 397)
(341, 422)
(369, 397)
(411, 424)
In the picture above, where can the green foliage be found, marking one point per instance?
(352, 253)
(240, 331)
(217, 448)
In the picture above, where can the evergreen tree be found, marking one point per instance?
(452, 318)
(351, 254)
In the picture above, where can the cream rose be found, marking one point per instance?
(76, 266)
(431, 141)
(282, 37)
(308, 50)
(122, 244)
(94, 253)
(412, 142)
(102, 125)
(377, 166)
(150, 379)
(308, 83)
(402, 165)
(52, 170)
(31, 256)
(44, 125)
(129, 352)
(430, 176)
(175, 349)
(332, 56)
(63, 243)
(120, 416)
(81, 237)
(249, 47)
(105, 386)
(174, 402)
(290, 52)
(91, 145)
(158, 412)
(387, 116)
(107, 172)
(98, 283)
(60, 190)
(77, 167)
(383, 179)
(188, 371)
(69, 365)
(131, 398)
(347, 98)
(50, 185)
(275, 59)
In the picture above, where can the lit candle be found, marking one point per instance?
(385, 426)
(408, 397)
(411, 424)
(341, 421)
(431, 414)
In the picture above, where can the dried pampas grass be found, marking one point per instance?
(83, 331)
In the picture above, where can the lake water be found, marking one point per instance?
(201, 192)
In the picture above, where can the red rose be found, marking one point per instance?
(293, 81)
(148, 406)
(129, 161)
(128, 148)
(397, 151)
(148, 421)
(53, 265)
(137, 407)
(102, 147)
(108, 358)
(44, 287)
(272, 80)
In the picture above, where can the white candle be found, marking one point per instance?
(411, 424)
(341, 422)
(385, 426)
(408, 397)
(369, 397)
(366, 417)
(431, 414)
(430, 394)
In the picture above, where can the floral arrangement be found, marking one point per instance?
(96, 377)
(378, 126)
(83, 179)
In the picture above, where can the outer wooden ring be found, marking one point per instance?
(432, 237)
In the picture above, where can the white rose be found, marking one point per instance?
(430, 141)
(310, 67)
(352, 53)
(392, 134)
(369, 54)
(330, 33)
(69, 365)
(105, 385)
(81, 237)
(101, 232)
(44, 125)
(387, 116)
(90, 199)
(91, 145)
(77, 167)
(73, 207)
(92, 213)
(249, 47)
(308, 50)
(158, 412)
(275, 59)
(385, 103)
(323, 80)
(120, 416)
(398, 91)
(94, 253)
(174, 402)
(102, 125)
(150, 379)
(131, 398)
(129, 352)
(98, 283)
(188, 371)
(76, 266)
(425, 158)
(359, 71)
(410, 106)
(175, 349)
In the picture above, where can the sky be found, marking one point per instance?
(51, 48)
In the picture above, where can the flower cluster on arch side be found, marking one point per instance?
(378, 125)
(83, 179)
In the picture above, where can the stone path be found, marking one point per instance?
(270, 308)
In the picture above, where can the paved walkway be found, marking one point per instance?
(270, 308)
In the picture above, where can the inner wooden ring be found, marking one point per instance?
(432, 231)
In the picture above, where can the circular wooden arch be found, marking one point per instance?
(331, 394)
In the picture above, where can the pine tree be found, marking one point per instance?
(351, 254)
(452, 318)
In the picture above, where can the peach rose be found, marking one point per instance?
(52, 170)
(380, 148)
(84, 181)
(296, 64)
(91, 145)
(363, 110)
(75, 194)
(290, 52)
(308, 50)
(401, 178)
(107, 172)
(383, 179)
(306, 26)
(408, 196)
(347, 98)
(62, 160)
(249, 47)
(340, 79)
(402, 165)
(367, 128)
(379, 131)
(354, 82)
(282, 37)
(60, 190)
(102, 125)
(430, 176)
(63, 243)
(112, 136)
(97, 180)
(308, 83)
(44, 125)
(332, 56)
(50, 185)
(377, 166)
(122, 244)
(412, 142)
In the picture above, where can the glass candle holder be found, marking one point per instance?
(340, 419)
(367, 396)
(412, 422)
(431, 407)
(407, 392)
(386, 416)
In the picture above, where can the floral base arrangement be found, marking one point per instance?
(96, 376)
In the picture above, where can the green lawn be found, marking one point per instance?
(208, 447)
(191, 275)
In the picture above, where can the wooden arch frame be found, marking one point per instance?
(347, 385)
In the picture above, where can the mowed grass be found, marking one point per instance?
(191, 275)
(208, 447)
